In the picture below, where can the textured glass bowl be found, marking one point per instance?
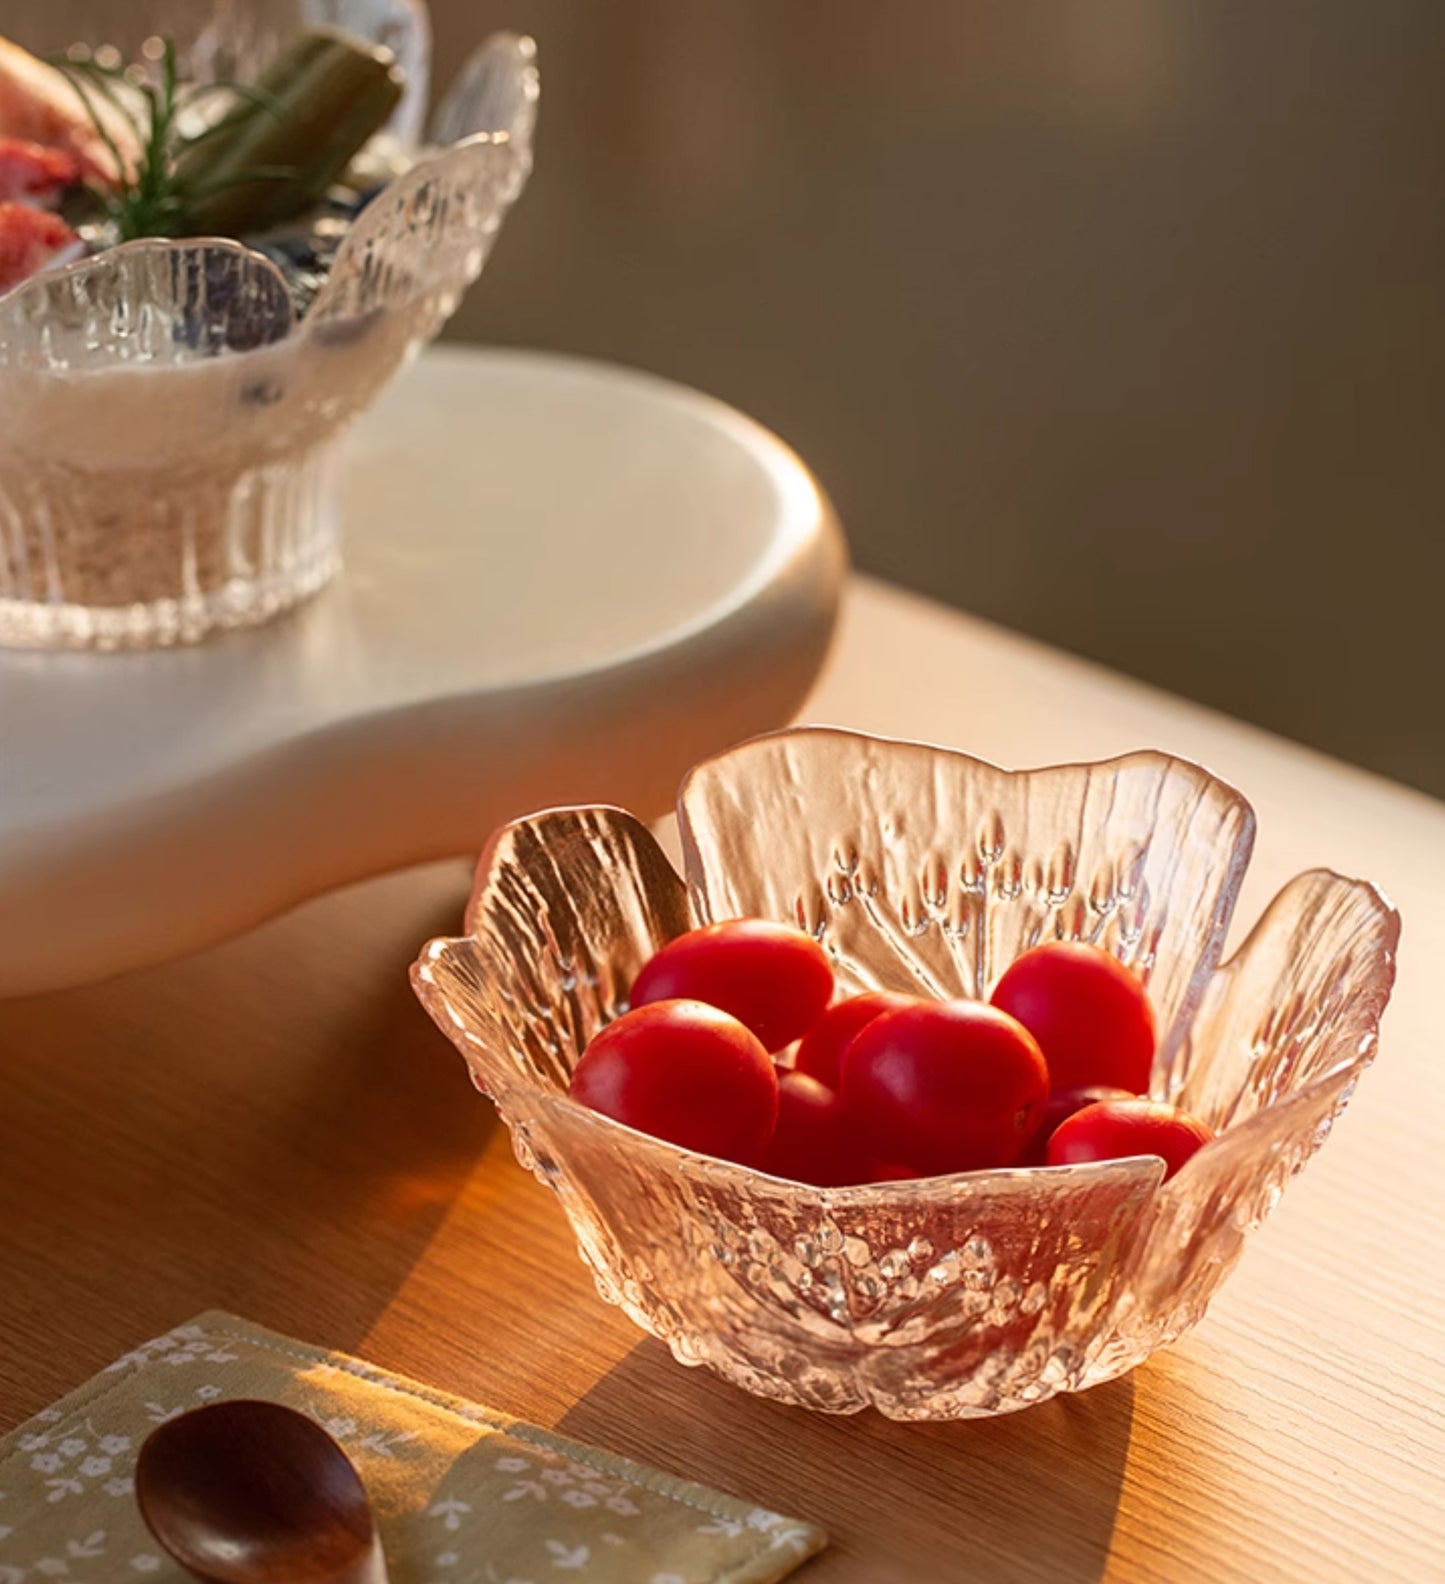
(167, 425)
(920, 870)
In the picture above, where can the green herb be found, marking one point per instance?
(147, 199)
(330, 93)
(273, 152)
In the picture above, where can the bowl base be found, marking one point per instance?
(172, 563)
(160, 623)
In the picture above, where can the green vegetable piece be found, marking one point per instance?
(287, 139)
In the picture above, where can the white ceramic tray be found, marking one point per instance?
(564, 582)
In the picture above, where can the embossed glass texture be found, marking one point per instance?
(928, 871)
(167, 421)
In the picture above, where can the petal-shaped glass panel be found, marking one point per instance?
(923, 869)
(152, 302)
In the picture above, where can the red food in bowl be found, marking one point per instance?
(774, 980)
(1117, 1129)
(1062, 1104)
(812, 1142)
(684, 1072)
(944, 1086)
(821, 1053)
(29, 240)
(1088, 1012)
(34, 173)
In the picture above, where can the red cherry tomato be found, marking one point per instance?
(1116, 1129)
(812, 1143)
(821, 1053)
(683, 1072)
(1089, 1014)
(1061, 1104)
(944, 1086)
(889, 1171)
(774, 980)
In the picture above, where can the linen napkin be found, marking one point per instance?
(462, 1494)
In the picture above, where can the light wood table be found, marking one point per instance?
(273, 1127)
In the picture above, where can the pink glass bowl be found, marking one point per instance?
(922, 870)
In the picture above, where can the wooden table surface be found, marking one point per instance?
(274, 1128)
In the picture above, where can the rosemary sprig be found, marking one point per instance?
(268, 156)
(148, 198)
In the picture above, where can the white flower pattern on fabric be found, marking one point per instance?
(197, 1346)
(77, 1464)
(385, 1445)
(450, 1511)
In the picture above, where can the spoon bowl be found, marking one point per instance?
(249, 1492)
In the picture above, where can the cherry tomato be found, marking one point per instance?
(944, 1086)
(1061, 1104)
(1115, 1129)
(1089, 1014)
(684, 1072)
(821, 1053)
(774, 980)
(812, 1143)
(890, 1171)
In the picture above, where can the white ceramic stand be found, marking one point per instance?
(564, 582)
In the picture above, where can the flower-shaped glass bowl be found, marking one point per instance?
(928, 871)
(167, 420)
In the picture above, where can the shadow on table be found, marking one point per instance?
(272, 1127)
(1027, 1497)
(414, 1130)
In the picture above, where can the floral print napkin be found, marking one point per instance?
(462, 1495)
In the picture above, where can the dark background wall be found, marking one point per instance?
(1117, 321)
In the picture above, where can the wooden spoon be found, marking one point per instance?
(250, 1492)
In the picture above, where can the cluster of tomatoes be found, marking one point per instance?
(881, 1086)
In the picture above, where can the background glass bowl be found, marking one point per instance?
(167, 424)
(924, 870)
